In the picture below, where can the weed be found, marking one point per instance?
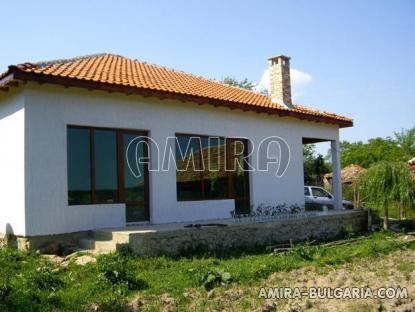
(347, 231)
(116, 270)
(304, 251)
(45, 278)
(214, 278)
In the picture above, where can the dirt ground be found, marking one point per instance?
(394, 270)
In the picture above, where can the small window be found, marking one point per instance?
(320, 192)
(306, 191)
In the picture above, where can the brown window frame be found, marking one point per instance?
(230, 193)
(120, 162)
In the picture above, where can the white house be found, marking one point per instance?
(74, 135)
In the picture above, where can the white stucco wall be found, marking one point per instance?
(12, 153)
(49, 109)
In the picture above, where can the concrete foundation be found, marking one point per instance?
(48, 244)
(175, 239)
(182, 240)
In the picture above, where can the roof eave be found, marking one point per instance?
(18, 74)
(6, 78)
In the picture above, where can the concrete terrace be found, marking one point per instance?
(175, 238)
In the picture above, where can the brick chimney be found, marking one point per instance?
(280, 81)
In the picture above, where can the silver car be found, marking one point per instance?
(316, 196)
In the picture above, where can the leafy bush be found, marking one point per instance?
(44, 278)
(303, 251)
(33, 290)
(27, 282)
(113, 302)
(5, 290)
(116, 270)
(269, 211)
(214, 278)
(9, 255)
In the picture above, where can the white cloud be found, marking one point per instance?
(299, 81)
(263, 84)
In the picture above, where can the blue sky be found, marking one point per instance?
(355, 58)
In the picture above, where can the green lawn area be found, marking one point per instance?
(30, 282)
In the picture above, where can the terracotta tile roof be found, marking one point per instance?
(116, 73)
(348, 174)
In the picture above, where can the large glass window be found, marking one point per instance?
(105, 155)
(189, 167)
(215, 177)
(237, 159)
(79, 166)
(103, 168)
(201, 172)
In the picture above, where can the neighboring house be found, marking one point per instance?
(348, 175)
(72, 131)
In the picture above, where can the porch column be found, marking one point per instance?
(337, 181)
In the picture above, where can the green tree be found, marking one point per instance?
(387, 183)
(405, 140)
(244, 84)
(399, 148)
(315, 166)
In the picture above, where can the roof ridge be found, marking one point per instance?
(314, 109)
(67, 60)
(87, 56)
(193, 75)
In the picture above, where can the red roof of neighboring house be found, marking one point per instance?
(348, 174)
(115, 73)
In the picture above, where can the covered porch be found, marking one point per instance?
(336, 183)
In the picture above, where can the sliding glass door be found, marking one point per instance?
(134, 175)
(238, 182)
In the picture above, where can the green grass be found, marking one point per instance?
(406, 268)
(28, 282)
(393, 211)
